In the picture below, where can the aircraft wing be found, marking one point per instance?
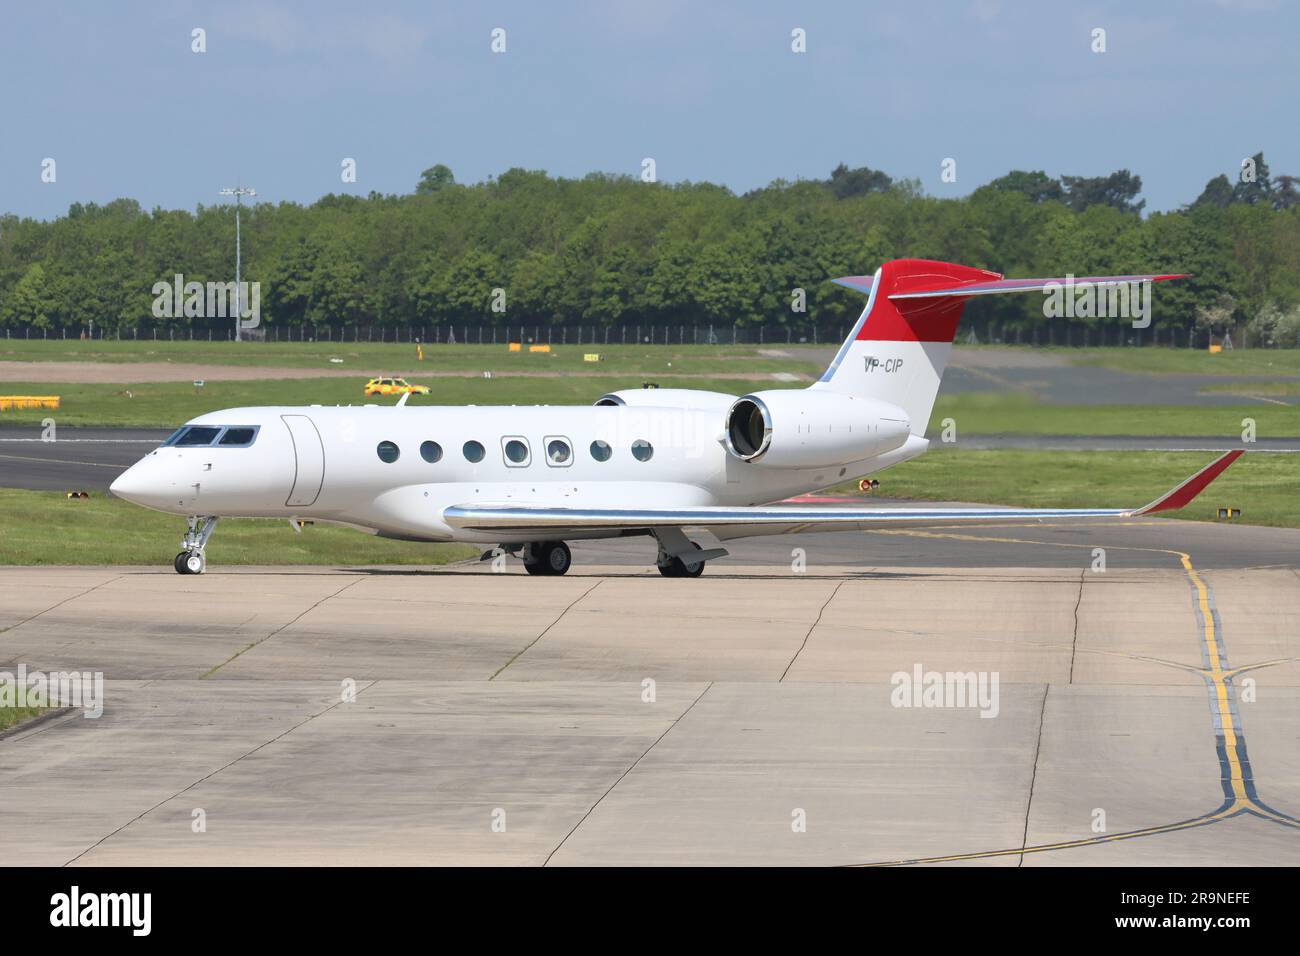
(733, 522)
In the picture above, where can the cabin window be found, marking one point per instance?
(516, 452)
(559, 453)
(431, 452)
(642, 450)
(388, 452)
(473, 452)
(600, 450)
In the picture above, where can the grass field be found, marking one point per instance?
(1169, 361)
(1016, 414)
(1270, 389)
(12, 716)
(1262, 485)
(376, 359)
(44, 527)
(167, 404)
(155, 404)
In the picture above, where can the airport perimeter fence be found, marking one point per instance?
(1068, 335)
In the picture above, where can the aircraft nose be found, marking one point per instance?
(154, 482)
(130, 484)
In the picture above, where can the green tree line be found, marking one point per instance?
(606, 250)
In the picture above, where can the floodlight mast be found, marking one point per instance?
(239, 192)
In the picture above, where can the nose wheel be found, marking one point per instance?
(190, 562)
(547, 557)
(191, 559)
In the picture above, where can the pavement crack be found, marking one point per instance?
(1038, 749)
(1074, 643)
(522, 651)
(634, 765)
(212, 773)
(296, 619)
(820, 612)
(59, 604)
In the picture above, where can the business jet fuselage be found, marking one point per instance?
(638, 462)
(395, 469)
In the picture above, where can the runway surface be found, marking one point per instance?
(613, 716)
(90, 458)
(1051, 377)
(1087, 385)
(79, 459)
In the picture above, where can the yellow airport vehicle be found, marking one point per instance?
(394, 386)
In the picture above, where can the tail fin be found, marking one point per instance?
(899, 347)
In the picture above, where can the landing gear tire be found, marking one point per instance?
(190, 562)
(198, 529)
(677, 568)
(547, 557)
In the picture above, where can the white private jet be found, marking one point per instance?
(653, 462)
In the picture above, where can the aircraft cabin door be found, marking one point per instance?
(309, 455)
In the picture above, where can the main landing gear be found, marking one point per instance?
(671, 566)
(546, 557)
(679, 556)
(191, 560)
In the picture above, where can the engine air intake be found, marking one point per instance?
(749, 429)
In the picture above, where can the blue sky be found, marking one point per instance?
(711, 91)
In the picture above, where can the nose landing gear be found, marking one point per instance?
(191, 559)
(190, 562)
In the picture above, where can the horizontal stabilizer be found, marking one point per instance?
(1027, 285)
(937, 287)
(861, 284)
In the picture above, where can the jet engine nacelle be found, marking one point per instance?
(810, 428)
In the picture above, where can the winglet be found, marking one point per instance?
(1193, 486)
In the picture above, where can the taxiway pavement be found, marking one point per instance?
(457, 715)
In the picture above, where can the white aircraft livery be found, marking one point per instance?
(652, 462)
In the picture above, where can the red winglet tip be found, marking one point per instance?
(1193, 486)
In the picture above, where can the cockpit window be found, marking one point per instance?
(197, 435)
(232, 436)
(238, 435)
